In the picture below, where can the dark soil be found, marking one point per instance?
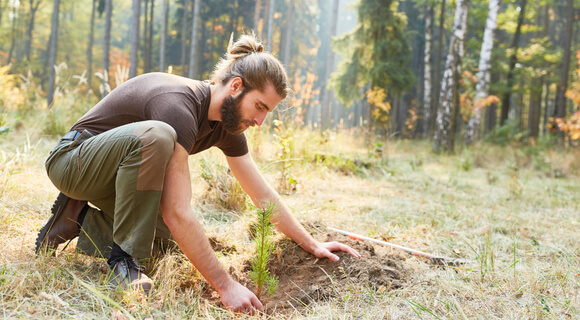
(304, 279)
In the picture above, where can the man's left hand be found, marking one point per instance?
(324, 250)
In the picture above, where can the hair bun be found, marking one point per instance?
(245, 45)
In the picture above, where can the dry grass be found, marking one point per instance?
(513, 213)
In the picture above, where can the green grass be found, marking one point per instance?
(522, 239)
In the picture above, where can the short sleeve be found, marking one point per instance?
(233, 145)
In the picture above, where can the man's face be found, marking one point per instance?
(247, 108)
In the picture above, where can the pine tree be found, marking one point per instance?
(376, 53)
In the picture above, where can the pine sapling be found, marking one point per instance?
(263, 231)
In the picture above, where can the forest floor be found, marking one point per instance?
(512, 212)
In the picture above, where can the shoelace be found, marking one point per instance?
(131, 263)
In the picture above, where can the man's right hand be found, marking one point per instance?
(238, 298)
(188, 233)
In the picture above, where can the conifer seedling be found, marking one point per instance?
(263, 232)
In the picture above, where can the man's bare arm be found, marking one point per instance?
(247, 173)
(188, 233)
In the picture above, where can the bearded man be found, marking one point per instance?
(128, 157)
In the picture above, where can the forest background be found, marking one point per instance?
(449, 126)
(377, 65)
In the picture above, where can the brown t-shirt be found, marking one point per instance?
(180, 102)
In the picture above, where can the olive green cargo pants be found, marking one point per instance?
(121, 172)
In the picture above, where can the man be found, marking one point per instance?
(128, 157)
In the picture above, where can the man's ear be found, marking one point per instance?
(236, 85)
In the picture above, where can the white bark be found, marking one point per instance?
(427, 72)
(483, 76)
(444, 133)
(195, 23)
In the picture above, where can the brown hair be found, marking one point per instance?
(247, 59)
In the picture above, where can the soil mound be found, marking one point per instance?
(304, 279)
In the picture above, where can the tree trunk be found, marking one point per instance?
(52, 53)
(90, 50)
(148, 55)
(427, 73)
(325, 104)
(33, 9)
(163, 35)
(2, 6)
(535, 107)
(257, 15)
(561, 101)
(135, 38)
(483, 76)
(107, 45)
(270, 34)
(505, 104)
(288, 34)
(445, 125)
(145, 35)
(184, 37)
(438, 67)
(547, 109)
(193, 49)
(12, 35)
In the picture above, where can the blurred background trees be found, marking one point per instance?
(377, 66)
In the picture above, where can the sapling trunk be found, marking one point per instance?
(263, 238)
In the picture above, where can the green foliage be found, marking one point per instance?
(262, 232)
(465, 162)
(284, 137)
(223, 188)
(377, 53)
(515, 186)
(510, 132)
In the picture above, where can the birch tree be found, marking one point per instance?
(52, 52)
(135, 38)
(427, 77)
(445, 123)
(193, 48)
(484, 73)
(437, 90)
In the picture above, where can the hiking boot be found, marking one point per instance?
(63, 225)
(126, 272)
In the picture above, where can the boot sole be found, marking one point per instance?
(56, 210)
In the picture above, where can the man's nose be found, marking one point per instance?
(259, 119)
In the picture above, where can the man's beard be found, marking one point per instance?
(232, 116)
